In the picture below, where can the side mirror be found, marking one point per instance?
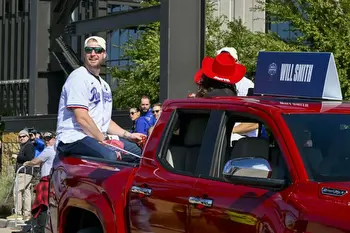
(248, 167)
(251, 171)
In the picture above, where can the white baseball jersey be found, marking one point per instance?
(243, 85)
(83, 90)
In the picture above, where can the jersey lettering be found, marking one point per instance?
(96, 96)
(107, 97)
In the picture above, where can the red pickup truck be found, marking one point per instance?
(195, 177)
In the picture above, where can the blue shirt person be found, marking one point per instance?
(142, 125)
(146, 110)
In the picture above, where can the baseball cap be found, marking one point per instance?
(100, 41)
(23, 133)
(49, 135)
(232, 51)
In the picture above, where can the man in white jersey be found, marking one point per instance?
(85, 109)
(241, 129)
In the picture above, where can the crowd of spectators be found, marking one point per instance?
(33, 164)
(145, 116)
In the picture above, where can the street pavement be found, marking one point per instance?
(6, 230)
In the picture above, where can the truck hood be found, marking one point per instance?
(335, 191)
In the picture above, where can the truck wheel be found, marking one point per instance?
(90, 230)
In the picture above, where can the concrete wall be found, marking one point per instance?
(10, 145)
(241, 9)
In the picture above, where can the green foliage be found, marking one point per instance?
(215, 36)
(142, 78)
(248, 44)
(6, 182)
(321, 25)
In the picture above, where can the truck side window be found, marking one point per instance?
(258, 144)
(185, 136)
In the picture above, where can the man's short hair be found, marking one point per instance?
(157, 105)
(145, 97)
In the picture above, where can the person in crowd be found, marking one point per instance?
(45, 159)
(146, 110)
(85, 109)
(157, 110)
(26, 153)
(134, 114)
(140, 124)
(35, 138)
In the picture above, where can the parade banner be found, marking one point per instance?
(297, 74)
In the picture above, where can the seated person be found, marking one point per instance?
(245, 129)
(85, 109)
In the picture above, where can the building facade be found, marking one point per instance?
(242, 9)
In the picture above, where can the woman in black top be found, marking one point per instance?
(218, 76)
(134, 114)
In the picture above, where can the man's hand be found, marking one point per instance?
(136, 136)
(26, 163)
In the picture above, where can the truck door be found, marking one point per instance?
(158, 198)
(219, 205)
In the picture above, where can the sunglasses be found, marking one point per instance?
(155, 111)
(23, 136)
(98, 50)
(132, 113)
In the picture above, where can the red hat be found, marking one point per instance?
(222, 68)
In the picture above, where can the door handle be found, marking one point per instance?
(201, 201)
(139, 190)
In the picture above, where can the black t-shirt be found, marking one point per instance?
(220, 92)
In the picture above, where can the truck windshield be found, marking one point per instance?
(323, 141)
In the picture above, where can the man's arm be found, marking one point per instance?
(87, 124)
(33, 162)
(28, 154)
(150, 130)
(245, 128)
(43, 157)
(78, 95)
(39, 144)
(115, 129)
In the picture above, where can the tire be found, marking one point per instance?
(90, 230)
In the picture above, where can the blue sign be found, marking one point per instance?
(297, 74)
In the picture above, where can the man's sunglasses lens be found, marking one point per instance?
(22, 136)
(97, 50)
(132, 113)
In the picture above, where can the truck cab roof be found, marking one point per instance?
(286, 105)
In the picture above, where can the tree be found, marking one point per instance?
(142, 78)
(319, 25)
(248, 44)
